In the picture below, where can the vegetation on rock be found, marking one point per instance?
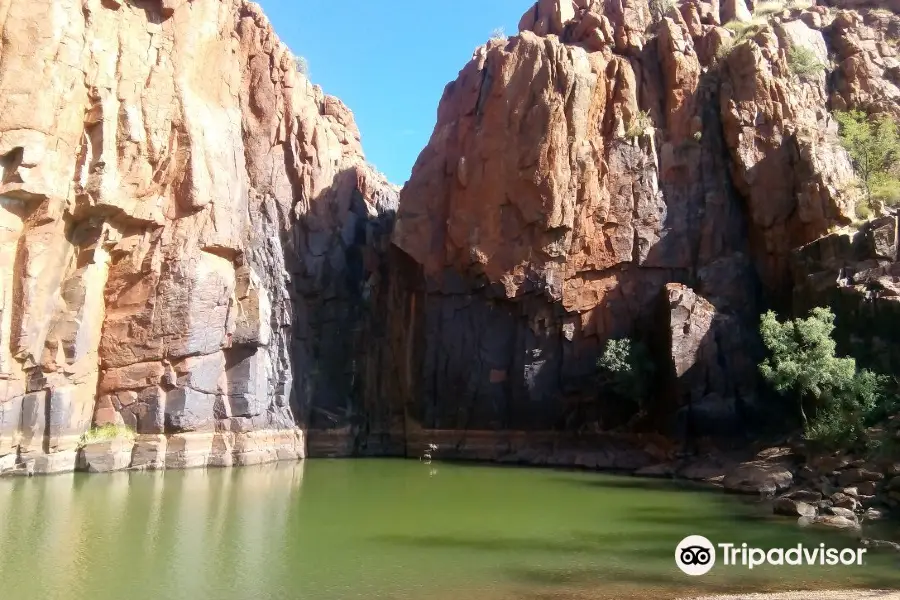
(106, 433)
(499, 34)
(874, 147)
(660, 8)
(640, 123)
(767, 9)
(836, 401)
(803, 63)
(627, 370)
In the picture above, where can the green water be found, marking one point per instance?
(378, 529)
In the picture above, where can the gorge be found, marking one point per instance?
(211, 263)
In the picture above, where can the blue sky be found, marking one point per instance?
(389, 60)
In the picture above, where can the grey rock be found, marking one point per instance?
(793, 508)
(808, 496)
(842, 500)
(835, 522)
(856, 475)
(841, 512)
(758, 477)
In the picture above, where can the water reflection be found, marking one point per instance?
(182, 533)
(379, 530)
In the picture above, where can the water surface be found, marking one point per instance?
(381, 529)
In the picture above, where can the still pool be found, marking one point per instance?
(384, 529)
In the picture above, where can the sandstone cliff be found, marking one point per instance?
(612, 171)
(175, 207)
(193, 246)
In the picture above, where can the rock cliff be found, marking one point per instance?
(193, 246)
(176, 204)
(622, 169)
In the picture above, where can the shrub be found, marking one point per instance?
(743, 30)
(105, 433)
(804, 63)
(767, 9)
(803, 362)
(640, 123)
(874, 148)
(498, 34)
(725, 49)
(863, 210)
(627, 369)
(660, 8)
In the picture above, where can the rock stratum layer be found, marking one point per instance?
(176, 200)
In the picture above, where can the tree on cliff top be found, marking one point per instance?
(803, 362)
(874, 147)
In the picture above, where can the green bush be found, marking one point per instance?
(803, 63)
(767, 9)
(105, 433)
(627, 370)
(839, 399)
(640, 123)
(743, 30)
(874, 147)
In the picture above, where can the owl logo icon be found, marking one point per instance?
(695, 555)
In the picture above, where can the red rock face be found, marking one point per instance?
(208, 259)
(545, 217)
(167, 181)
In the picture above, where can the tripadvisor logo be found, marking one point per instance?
(696, 555)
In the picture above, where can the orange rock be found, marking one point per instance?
(149, 213)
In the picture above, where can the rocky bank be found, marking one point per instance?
(193, 246)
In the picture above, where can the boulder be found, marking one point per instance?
(106, 456)
(734, 10)
(841, 512)
(873, 514)
(865, 488)
(857, 475)
(758, 477)
(835, 522)
(793, 508)
(808, 496)
(841, 500)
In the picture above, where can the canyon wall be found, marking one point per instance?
(193, 247)
(176, 204)
(612, 172)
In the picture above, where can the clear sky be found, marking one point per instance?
(389, 60)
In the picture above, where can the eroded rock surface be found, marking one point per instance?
(174, 195)
(601, 160)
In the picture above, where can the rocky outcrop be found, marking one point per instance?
(856, 273)
(178, 206)
(209, 260)
(601, 160)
